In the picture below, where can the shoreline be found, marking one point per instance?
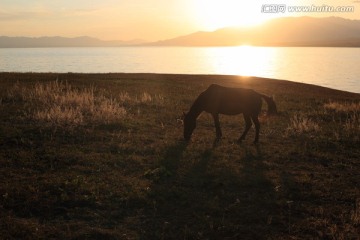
(216, 78)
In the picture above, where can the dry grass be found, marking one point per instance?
(346, 115)
(300, 124)
(353, 122)
(343, 107)
(59, 104)
(143, 98)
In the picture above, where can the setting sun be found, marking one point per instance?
(213, 15)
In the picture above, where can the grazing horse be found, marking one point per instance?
(229, 101)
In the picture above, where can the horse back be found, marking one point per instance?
(231, 101)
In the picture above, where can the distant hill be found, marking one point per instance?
(27, 42)
(289, 31)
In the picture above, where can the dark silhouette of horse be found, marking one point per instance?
(229, 101)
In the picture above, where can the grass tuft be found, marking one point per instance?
(300, 124)
(60, 104)
(347, 116)
(144, 98)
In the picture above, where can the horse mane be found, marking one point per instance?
(195, 109)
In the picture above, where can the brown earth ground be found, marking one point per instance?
(122, 171)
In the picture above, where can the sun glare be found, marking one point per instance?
(241, 61)
(215, 14)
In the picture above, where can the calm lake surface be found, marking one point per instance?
(337, 68)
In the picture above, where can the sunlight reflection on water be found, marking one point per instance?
(243, 60)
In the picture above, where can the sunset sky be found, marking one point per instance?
(150, 20)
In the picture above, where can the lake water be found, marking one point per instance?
(337, 68)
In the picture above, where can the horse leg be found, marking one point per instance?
(217, 125)
(257, 128)
(247, 127)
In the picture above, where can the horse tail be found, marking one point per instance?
(272, 109)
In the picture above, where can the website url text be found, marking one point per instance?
(282, 8)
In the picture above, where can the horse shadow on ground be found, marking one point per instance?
(204, 200)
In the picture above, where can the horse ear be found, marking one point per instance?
(184, 114)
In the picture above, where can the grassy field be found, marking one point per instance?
(101, 156)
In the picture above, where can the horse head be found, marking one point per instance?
(189, 125)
